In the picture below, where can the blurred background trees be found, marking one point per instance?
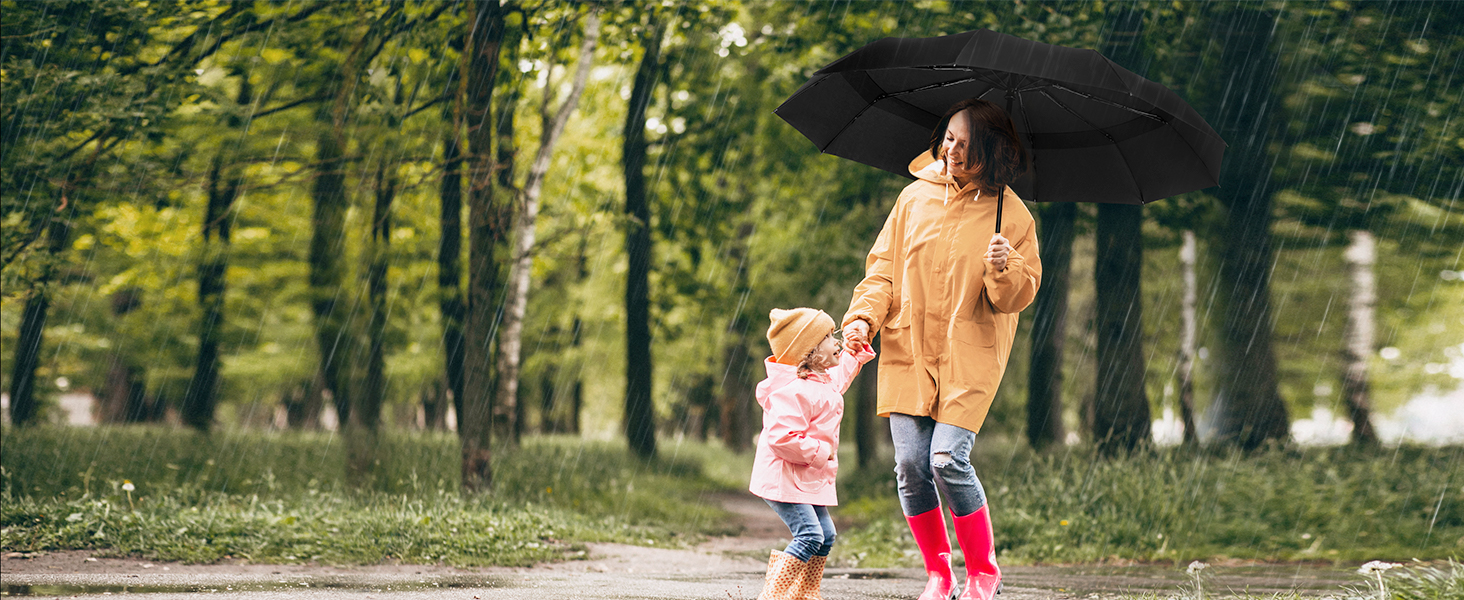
(303, 215)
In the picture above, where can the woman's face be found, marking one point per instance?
(957, 143)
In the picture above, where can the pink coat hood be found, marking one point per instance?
(797, 451)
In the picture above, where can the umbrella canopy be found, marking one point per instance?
(1096, 131)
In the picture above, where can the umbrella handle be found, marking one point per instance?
(1010, 95)
(999, 202)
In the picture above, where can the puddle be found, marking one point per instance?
(28, 590)
(864, 575)
(1263, 579)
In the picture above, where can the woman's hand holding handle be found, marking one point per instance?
(997, 252)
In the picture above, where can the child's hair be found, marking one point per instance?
(804, 367)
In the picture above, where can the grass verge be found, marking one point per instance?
(1333, 505)
(1419, 581)
(268, 497)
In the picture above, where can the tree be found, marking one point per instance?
(225, 185)
(449, 249)
(1248, 409)
(87, 79)
(1121, 406)
(488, 226)
(640, 413)
(1189, 331)
(1361, 256)
(330, 301)
(1049, 325)
(1371, 151)
(552, 125)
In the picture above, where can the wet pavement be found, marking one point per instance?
(632, 575)
(726, 568)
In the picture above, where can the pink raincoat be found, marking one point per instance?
(797, 452)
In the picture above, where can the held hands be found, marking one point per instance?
(856, 335)
(996, 254)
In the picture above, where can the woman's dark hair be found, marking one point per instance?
(995, 149)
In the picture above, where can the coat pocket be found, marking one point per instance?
(972, 333)
(896, 346)
(808, 479)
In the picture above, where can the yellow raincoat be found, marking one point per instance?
(946, 318)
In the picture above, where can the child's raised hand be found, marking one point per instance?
(856, 335)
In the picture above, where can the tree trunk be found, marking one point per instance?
(577, 390)
(449, 268)
(734, 418)
(124, 399)
(327, 269)
(487, 227)
(303, 403)
(640, 413)
(434, 406)
(1049, 326)
(1361, 256)
(506, 408)
(1187, 338)
(224, 184)
(366, 417)
(33, 325)
(511, 341)
(1120, 404)
(1248, 408)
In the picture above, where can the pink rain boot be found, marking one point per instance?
(983, 577)
(929, 529)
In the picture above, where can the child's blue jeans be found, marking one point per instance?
(812, 529)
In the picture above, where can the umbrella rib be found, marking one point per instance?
(1031, 140)
(932, 86)
(984, 78)
(1109, 103)
(1105, 134)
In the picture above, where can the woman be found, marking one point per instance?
(944, 293)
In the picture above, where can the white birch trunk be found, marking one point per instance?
(1187, 337)
(1361, 255)
(510, 345)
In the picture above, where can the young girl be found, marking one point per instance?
(797, 453)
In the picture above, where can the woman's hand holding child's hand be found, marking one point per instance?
(856, 335)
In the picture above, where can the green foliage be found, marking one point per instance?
(283, 498)
(1179, 505)
(1420, 581)
(1427, 582)
(168, 87)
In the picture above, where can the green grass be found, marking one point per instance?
(1067, 506)
(283, 497)
(1441, 581)
(269, 497)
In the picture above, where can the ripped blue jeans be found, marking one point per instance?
(930, 455)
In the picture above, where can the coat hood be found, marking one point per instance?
(779, 375)
(926, 167)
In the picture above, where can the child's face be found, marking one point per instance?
(827, 353)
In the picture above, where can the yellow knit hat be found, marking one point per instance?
(794, 333)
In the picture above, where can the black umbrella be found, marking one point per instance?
(1096, 131)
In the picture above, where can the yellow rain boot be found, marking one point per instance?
(785, 576)
(813, 579)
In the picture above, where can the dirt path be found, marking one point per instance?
(727, 568)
